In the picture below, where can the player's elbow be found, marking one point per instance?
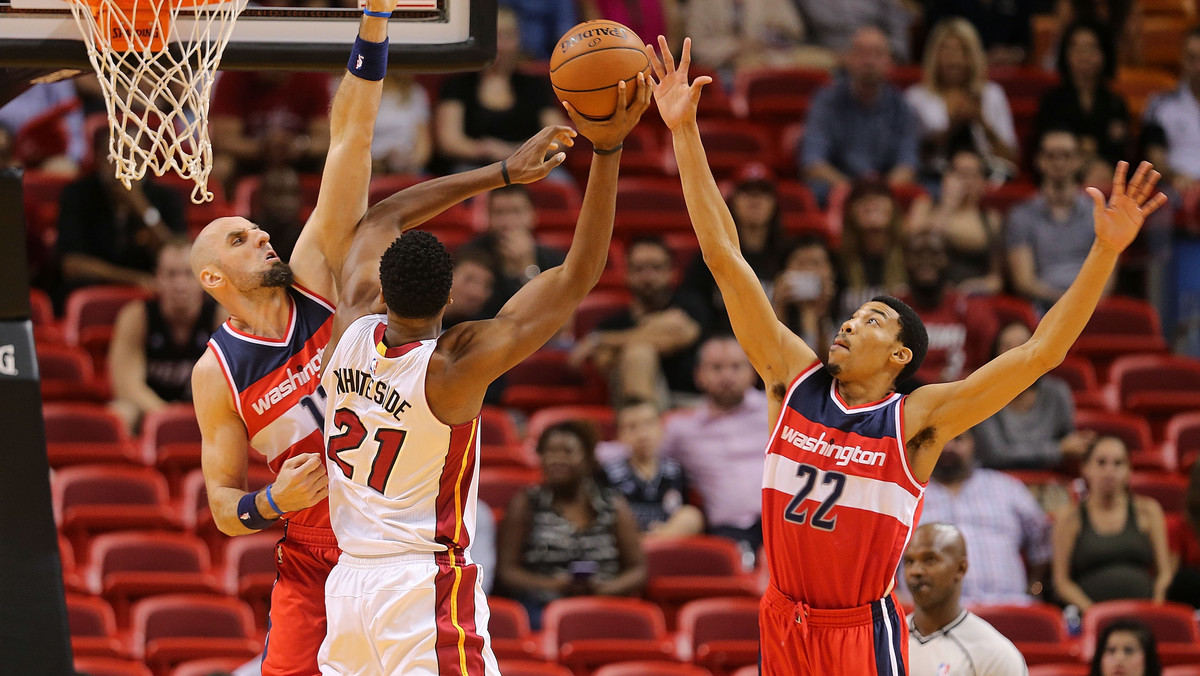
(1044, 355)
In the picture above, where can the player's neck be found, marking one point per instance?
(265, 312)
(931, 619)
(858, 393)
(405, 330)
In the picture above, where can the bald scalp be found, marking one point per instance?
(942, 537)
(207, 243)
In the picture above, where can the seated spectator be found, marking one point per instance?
(1113, 545)
(1185, 548)
(958, 108)
(960, 327)
(1122, 19)
(655, 487)
(509, 241)
(805, 294)
(648, 18)
(1126, 647)
(156, 342)
(1036, 430)
(403, 142)
(720, 443)
(1049, 235)
(110, 234)
(834, 26)
(648, 350)
(1084, 103)
(48, 122)
(483, 117)
(568, 536)
(754, 205)
(860, 126)
(942, 635)
(542, 23)
(264, 118)
(276, 208)
(730, 37)
(872, 254)
(1006, 28)
(471, 288)
(1175, 116)
(972, 233)
(1007, 533)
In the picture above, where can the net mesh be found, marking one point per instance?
(156, 67)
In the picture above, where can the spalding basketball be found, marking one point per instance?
(590, 60)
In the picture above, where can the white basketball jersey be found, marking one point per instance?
(400, 480)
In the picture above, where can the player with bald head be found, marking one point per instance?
(943, 637)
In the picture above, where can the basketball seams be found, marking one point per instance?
(599, 89)
(597, 51)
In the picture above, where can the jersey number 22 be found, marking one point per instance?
(352, 434)
(809, 475)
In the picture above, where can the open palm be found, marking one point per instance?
(676, 99)
(1117, 223)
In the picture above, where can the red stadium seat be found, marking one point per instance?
(715, 103)
(681, 570)
(601, 417)
(1080, 374)
(1060, 670)
(193, 503)
(95, 498)
(1038, 631)
(208, 666)
(730, 144)
(586, 632)
(777, 95)
(93, 627)
(386, 185)
(72, 575)
(175, 628)
(85, 433)
(500, 442)
(547, 379)
(531, 668)
(245, 194)
(1182, 442)
(109, 666)
(67, 374)
(1120, 326)
(1012, 309)
(1131, 429)
(720, 633)
(171, 441)
(93, 306)
(1156, 386)
(135, 564)
(509, 627)
(249, 571)
(1182, 670)
(650, 206)
(41, 309)
(795, 197)
(558, 202)
(1168, 490)
(1173, 624)
(651, 668)
(498, 486)
(596, 307)
(1003, 197)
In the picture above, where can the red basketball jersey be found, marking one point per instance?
(839, 499)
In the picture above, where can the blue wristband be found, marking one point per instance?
(381, 15)
(249, 515)
(368, 60)
(271, 501)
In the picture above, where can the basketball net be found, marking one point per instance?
(157, 76)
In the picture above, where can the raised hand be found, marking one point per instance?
(538, 156)
(610, 133)
(1118, 222)
(677, 100)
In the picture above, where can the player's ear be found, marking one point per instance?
(902, 355)
(211, 279)
(962, 568)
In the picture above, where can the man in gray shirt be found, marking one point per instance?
(832, 25)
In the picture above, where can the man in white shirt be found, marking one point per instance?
(944, 639)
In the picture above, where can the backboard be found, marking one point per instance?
(426, 36)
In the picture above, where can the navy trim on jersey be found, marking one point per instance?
(813, 398)
(251, 361)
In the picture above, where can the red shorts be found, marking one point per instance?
(870, 640)
(303, 558)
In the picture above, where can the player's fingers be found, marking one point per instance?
(1097, 197)
(698, 85)
(655, 62)
(667, 57)
(1119, 178)
(685, 56)
(1134, 188)
(1154, 204)
(622, 97)
(573, 114)
(1149, 186)
(554, 161)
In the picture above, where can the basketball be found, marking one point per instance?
(590, 61)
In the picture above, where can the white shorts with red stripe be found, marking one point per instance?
(416, 614)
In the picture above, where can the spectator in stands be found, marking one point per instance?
(108, 234)
(1126, 647)
(403, 142)
(1049, 235)
(1113, 545)
(542, 23)
(568, 536)
(648, 18)
(805, 293)
(263, 118)
(972, 232)
(156, 342)
(944, 637)
(733, 36)
(1121, 18)
(754, 205)
(1185, 547)
(509, 241)
(860, 126)
(1175, 118)
(960, 328)
(8, 142)
(483, 117)
(872, 253)
(1007, 533)
(1084, 103)
(958, 108)
(1037, 428)
(834, 26)
(276, 208)
(655, 487)
(720, 443)
(1005, 28)
(471, 288)
(648, 350)
(48, 121)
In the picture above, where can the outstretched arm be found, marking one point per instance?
(949, 409)
(473, 354)
(776, 353)
(345, 182)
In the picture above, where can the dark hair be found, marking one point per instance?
(634, 402)
(514, 189)
(1091, 448)
(415, 273)
(1054, 129)
(912, 334)
(807, 241)
(475, 254)
(650, 240)
(1107, 48)
(996, 338)
(582, 430)
(1153, 667)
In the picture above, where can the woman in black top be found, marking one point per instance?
(568, 536)
(1084, 103)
